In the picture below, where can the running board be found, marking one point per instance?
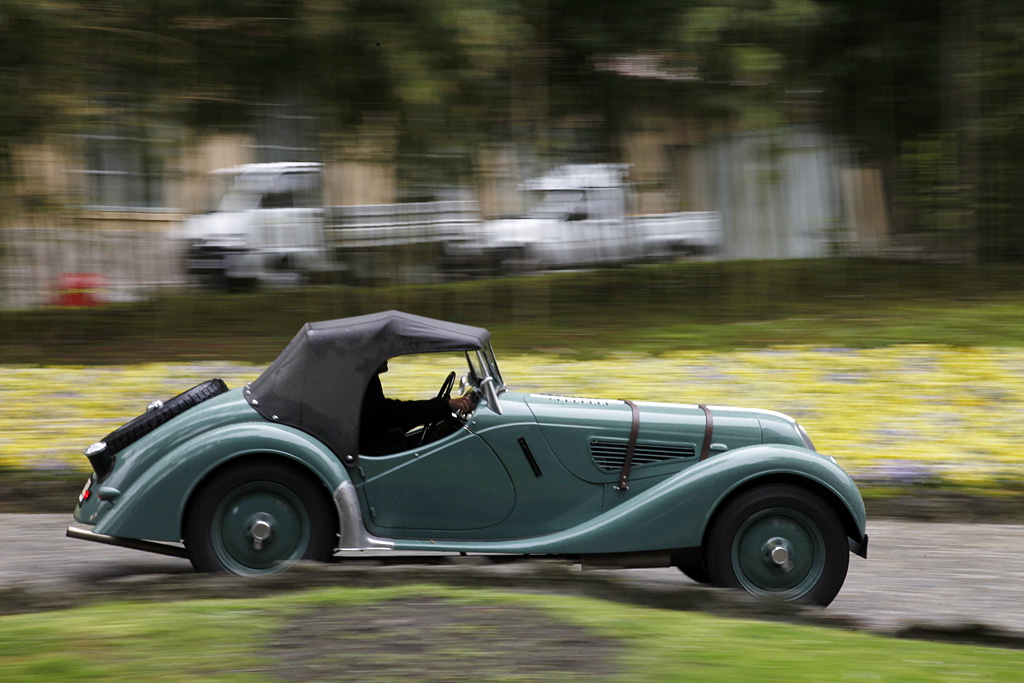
(133, 543)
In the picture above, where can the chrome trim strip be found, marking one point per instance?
(133, 543)
(354, 535)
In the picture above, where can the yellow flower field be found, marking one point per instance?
(898, 415)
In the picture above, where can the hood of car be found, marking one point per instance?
(590, 436)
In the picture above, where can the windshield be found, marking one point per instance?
(483, 365)
(558, 204)
(245, 191)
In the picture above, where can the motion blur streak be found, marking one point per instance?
(786, 129)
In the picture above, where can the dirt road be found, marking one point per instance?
(917, 573)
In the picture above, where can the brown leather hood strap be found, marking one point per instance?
(628, 461)
(709, 427)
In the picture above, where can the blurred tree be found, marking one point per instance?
(933, 93)
(36, 88)
(754, 57)
(442, 66)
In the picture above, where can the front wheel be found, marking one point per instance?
(779, 541)
(256, 519)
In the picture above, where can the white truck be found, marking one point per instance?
(583, 218)
(272, 227)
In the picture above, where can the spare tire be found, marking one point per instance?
(161, 412)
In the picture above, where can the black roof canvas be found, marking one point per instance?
(318, 381)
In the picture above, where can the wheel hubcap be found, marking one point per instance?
(260, 530)
(259, 527)
(779, 552)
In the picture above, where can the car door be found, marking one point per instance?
(454, 484)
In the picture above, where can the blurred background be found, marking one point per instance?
(155, 144)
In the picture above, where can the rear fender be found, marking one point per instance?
(154, 506)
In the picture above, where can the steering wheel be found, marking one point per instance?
(446, 392)
(446, 387)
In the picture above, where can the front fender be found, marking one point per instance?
(154, 506)
(744, 467)
(676, 513)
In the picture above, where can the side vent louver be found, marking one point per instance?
(610, 455)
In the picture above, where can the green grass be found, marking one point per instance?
(392, 632)
(653, 309)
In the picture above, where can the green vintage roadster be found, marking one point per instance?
(248, 480)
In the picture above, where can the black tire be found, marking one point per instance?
(221, 524)
(131, 432)
(780, 541)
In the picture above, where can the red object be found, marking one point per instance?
(79, 290)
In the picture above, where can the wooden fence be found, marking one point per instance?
(35, 262)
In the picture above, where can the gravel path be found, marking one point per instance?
(929, 574)
(917, 573)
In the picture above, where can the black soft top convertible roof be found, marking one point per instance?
(318, 381)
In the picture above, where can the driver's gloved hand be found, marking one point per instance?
(462, 404)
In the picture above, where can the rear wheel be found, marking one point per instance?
(780, 541)
(256, 519)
